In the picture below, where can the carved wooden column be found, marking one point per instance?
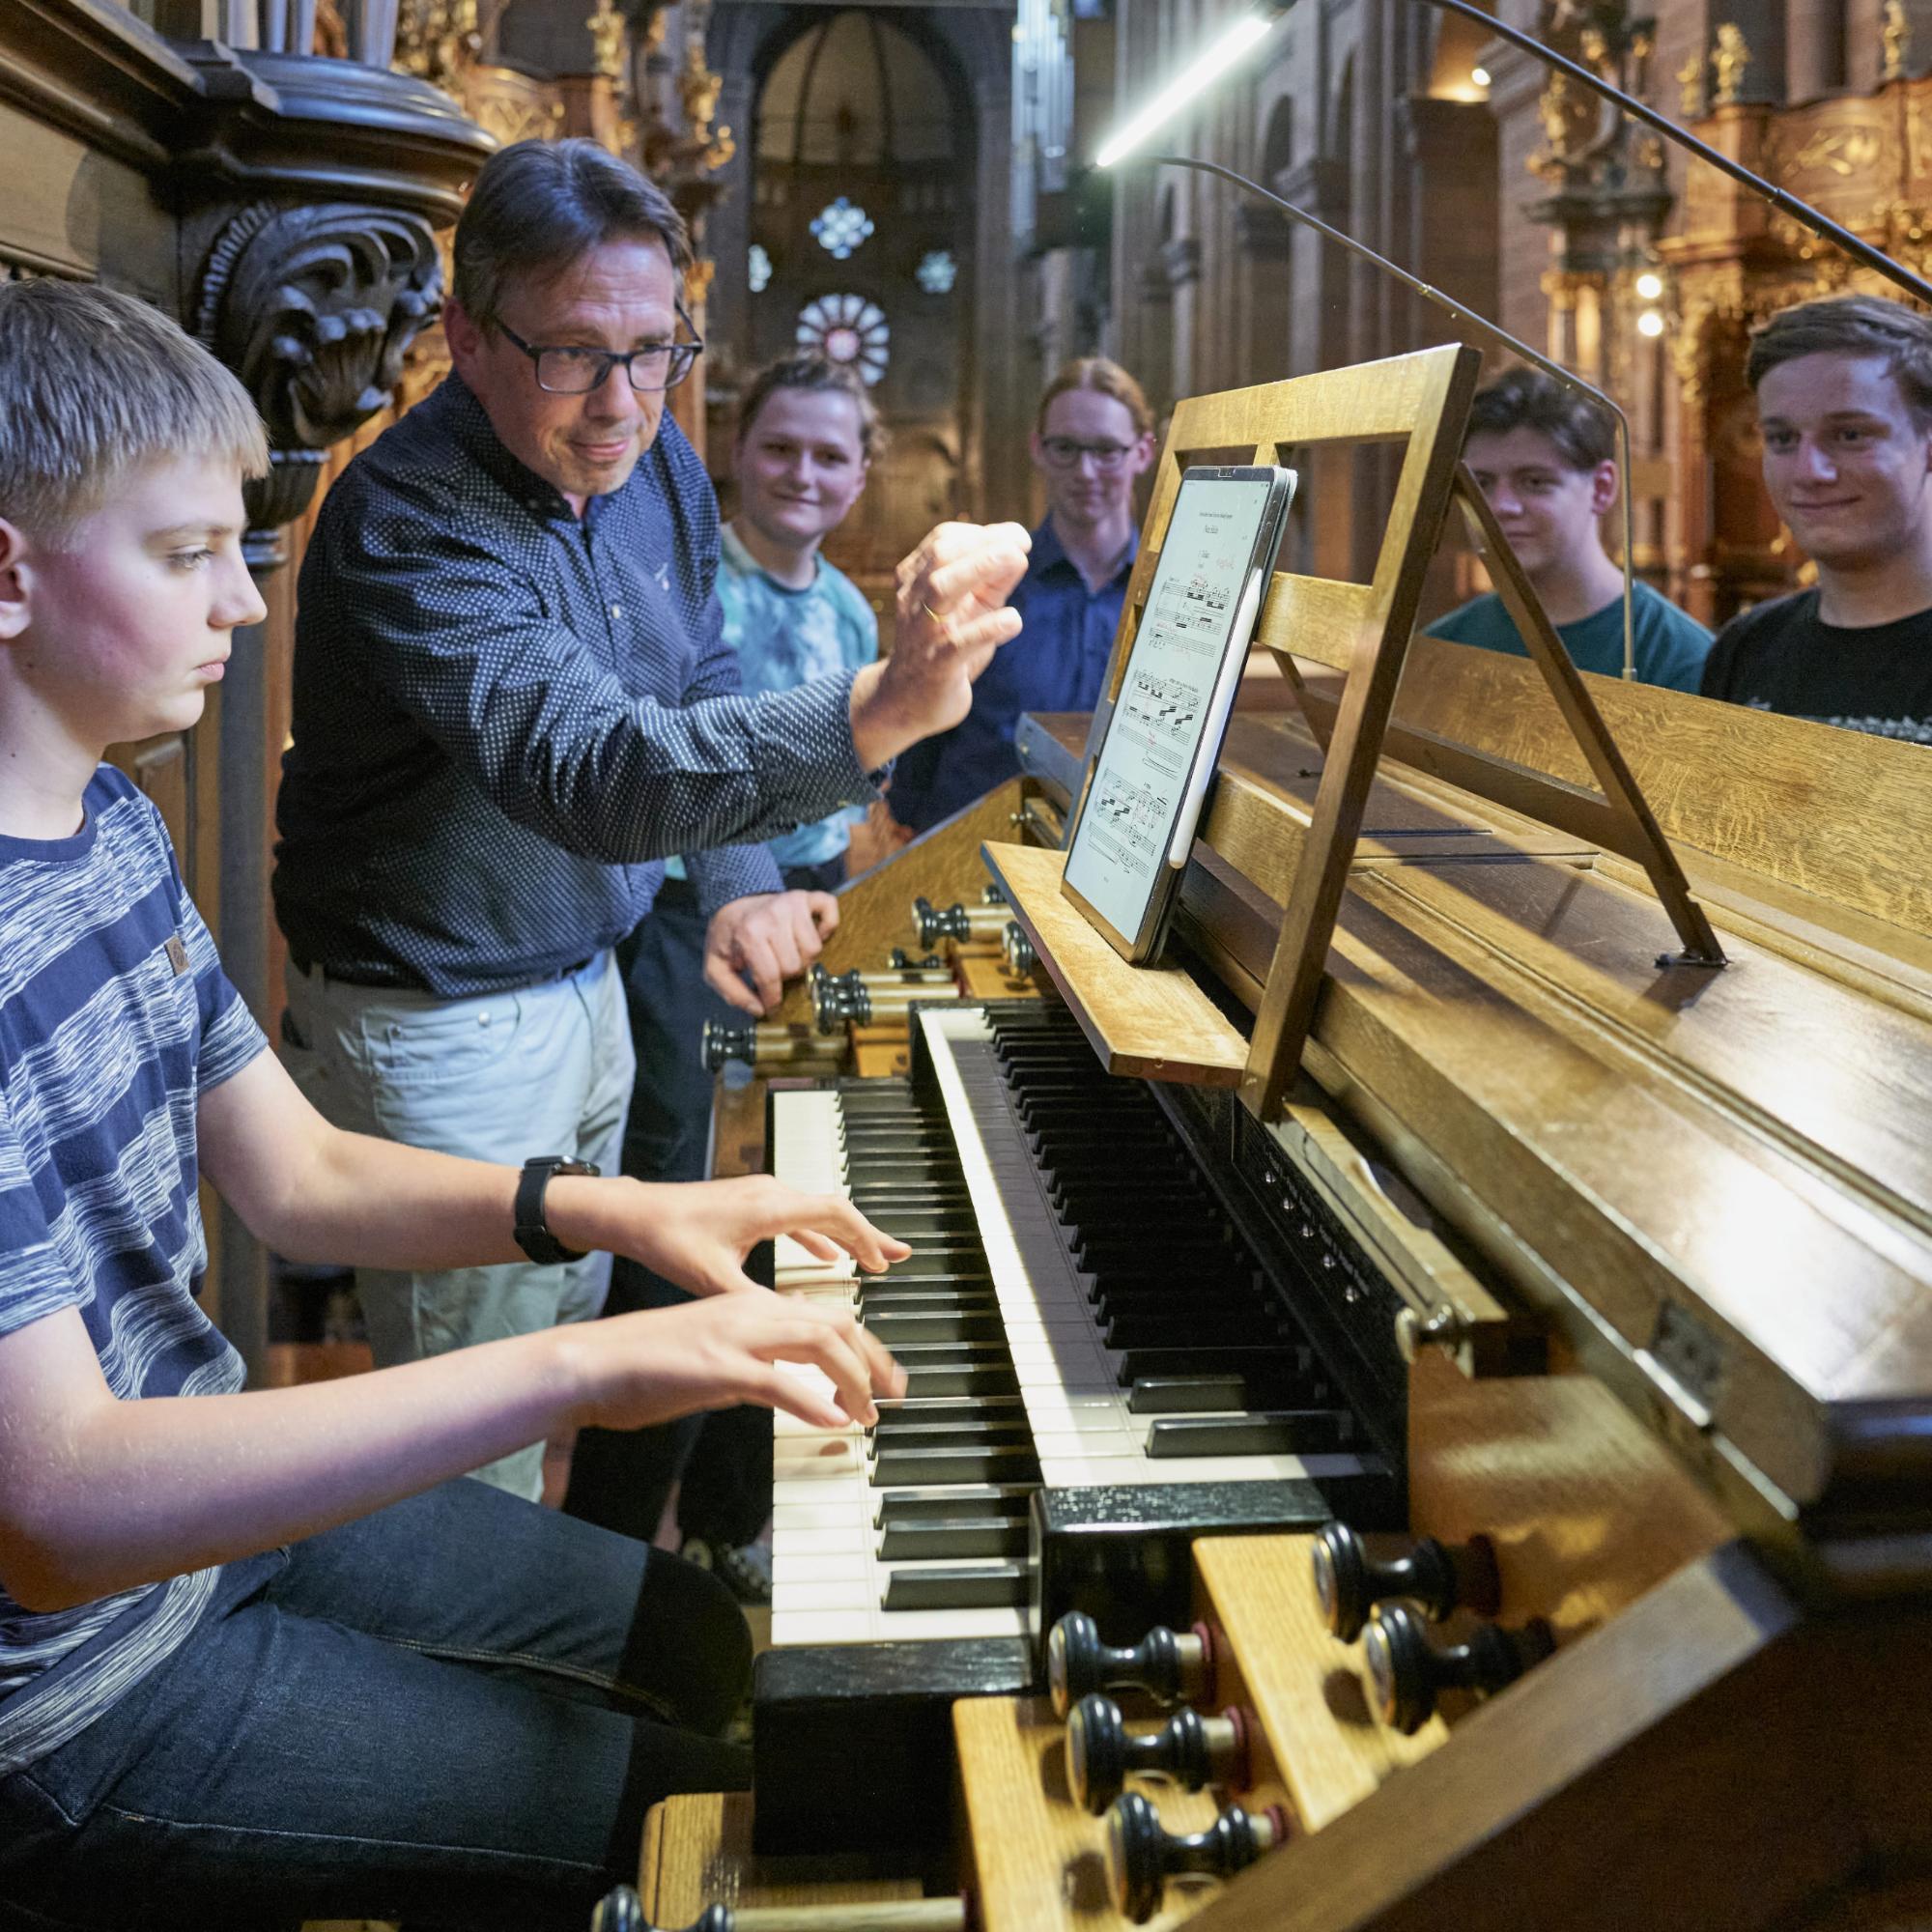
(311, 192)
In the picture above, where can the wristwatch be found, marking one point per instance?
(533, 1235)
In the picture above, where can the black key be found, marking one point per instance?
(1169, 1330)
(916, 1506)
(1254, 1357)
(955, 1538)
(1207, 1395)
(910, 1274)
(923, 1382)
(895, 1431)
(1001, 1586)
(906, 1414)
(1002, 1463)
(875, 1293)
(893, 1327)
(913, 1356)
(1295, 1432)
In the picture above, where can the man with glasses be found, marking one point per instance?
(1093, 438)
(512, 702)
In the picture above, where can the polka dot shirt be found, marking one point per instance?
(506, 718)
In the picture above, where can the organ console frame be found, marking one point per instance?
(1700, 1466)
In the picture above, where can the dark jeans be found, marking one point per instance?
(623, 1479)
(454, 1712)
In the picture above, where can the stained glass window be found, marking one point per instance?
(840, 226)
(937, 272)
(846, 328)
(759, 268)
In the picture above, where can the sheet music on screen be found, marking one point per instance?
(1166, 701)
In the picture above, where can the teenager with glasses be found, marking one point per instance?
(513, 699)
(1093, 438)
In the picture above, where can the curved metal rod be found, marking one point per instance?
(1801, 211)
(1497, 338)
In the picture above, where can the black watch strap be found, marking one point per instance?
(533, 1235)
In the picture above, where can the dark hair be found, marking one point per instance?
(538, 205)
(813, 372)
(1851, 325)
(1584, 431)
(1106, 379)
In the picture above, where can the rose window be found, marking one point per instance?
(847, 330)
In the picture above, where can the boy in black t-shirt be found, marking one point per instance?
(1844, 394)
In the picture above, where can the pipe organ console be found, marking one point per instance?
(1491, 1493)
(1421, 1398)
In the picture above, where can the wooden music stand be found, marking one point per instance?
(1422, 402)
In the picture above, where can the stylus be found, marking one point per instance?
(1224, 695)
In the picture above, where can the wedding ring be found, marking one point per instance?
(930, 612)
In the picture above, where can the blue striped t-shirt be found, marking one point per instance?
(115, 1017)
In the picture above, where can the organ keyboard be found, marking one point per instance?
(1098, 1356)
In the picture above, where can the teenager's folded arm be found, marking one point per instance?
(99, 1495)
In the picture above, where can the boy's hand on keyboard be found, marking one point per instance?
(663, 1363)
(697, 1234)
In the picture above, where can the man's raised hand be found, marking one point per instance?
(952, 616)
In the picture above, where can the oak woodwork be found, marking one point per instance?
(1779, 797)
(697, 1852)
(1630, 1146)
(1039, 1861)
(1706, 1762)
(875, 909)
(1152, 1020)
(1585, 1509)
(1305, 1686)
(1624, 822)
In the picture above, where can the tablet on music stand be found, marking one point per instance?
(1137, 820)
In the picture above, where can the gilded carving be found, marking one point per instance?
(607, 40)
(1729, 59)
(1840, 151)
(1894, 39)
(1691, 88)
(436, 39)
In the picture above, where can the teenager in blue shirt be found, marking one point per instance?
(806, 439)
(1545, 457)
(1092, 440)
(262, 1659)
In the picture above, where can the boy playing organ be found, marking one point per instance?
(261, 1660)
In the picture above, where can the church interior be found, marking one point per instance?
(1412, 1417)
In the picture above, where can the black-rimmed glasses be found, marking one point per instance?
(1063, 452)
(575, 371)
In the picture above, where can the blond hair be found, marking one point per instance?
(1108, 378)
(95, 386)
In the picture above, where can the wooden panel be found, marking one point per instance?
(1650, 1775)
(1586, 1509)
(697, 1852)
(1307, 1689)
(159, 766)
(1315, 617)
(1038, 1860)
(875, 909)
(1152, 1020)
(1730, 1040)
(70, 211)
(1841, 815)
